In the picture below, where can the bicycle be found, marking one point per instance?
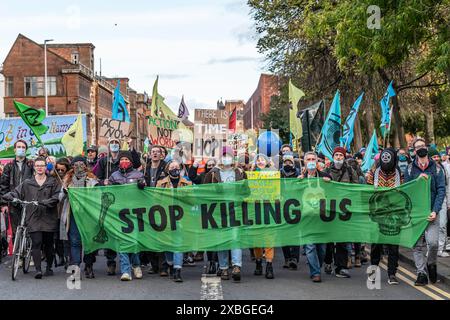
(22, 243)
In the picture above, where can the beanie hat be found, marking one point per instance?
(432, 152)
(126, 154)
(340, 149)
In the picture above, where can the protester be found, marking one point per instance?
(78, 177)
(315, 253)
(339, 172)
(434, 154)
(174, 180)
(224, 174)
(92, 157)
(41, 221)
(425, 250)
(387, 175)
(14, 173)
(403, 160)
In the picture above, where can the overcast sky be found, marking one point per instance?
(204, 49)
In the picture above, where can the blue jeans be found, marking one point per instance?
(175, 259)
(315, 254)
(236, 258)
(127, 260)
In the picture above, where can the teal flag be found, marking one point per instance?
(371, 151)
(349, 124)
(331, 130)
(386, 110)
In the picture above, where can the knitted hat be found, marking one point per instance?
(126, 154)
(340, 149)
(432, 152)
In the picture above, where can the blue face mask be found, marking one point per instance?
(20, 152)
(114, 147)
(402, 158)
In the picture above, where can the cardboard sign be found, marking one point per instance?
(210, 133)
(162, 132)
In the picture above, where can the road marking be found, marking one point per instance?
(409, 282)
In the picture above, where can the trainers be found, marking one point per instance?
(199, 256)
(259, 268)
(443, 254)
(189, 262)
(328, 269)
(177, 275)
(292, 264)
(316, 279)
(447, 247)
(137, 272)
(422, 280)
(38, 275)
(125, 277)
(357, 263)
(269, 270)
(236, 274)
(432, 273)
(224, 274)
(111, 270)
(89, 272)
(392, 280)
(343, 273)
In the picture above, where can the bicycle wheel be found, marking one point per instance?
(16, 253)
(27, 254)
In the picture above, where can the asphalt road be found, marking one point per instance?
(287, 285)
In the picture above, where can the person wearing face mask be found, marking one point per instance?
(224, 174)
(386, 174)
(92, 157)
(127, 175)
(174, 180)
(315, 253)
(403, 160)
(109, 164)
(78, 177)
(434, 154)
(199, 178)
(14, 173)
(339, 171)
(426, 248)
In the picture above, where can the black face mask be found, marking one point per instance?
(289, 168)
(175, 173)
(422, 152)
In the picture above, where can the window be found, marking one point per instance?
(9, 86)
(75, 57)
(35, 86)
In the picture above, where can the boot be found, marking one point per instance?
(177, 275)
(38, 274)
(212, 267)
(432, 273)
(269, 270)
(259, 268)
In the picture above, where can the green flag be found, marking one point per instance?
(213, 217)
(33, 119)
(295, 125)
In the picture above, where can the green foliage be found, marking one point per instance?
(278, 116)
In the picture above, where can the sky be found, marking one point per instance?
(204, 49)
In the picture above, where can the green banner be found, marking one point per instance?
(233, 215)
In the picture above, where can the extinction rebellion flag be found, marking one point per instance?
(234, 215)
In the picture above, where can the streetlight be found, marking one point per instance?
(45, 78)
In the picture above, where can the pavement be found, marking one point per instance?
(287, 285)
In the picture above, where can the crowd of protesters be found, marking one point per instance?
(56, 238)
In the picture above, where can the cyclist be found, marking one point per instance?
(41, 220)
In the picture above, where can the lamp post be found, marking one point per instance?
(45, 77)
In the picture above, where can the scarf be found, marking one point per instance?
(385, 180)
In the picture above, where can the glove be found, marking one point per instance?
(141, 184)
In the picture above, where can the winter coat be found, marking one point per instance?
(437, 181)
(345, 174)
(131, 176)
(160, 174)
(194, 177)
(43, 217)
(166, 183)
(113, 166)
(214, 175)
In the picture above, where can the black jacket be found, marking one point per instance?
(160, 174)
(194, 177)
(43, 217)
(102, 167)
(12, 177)
(345, 174)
